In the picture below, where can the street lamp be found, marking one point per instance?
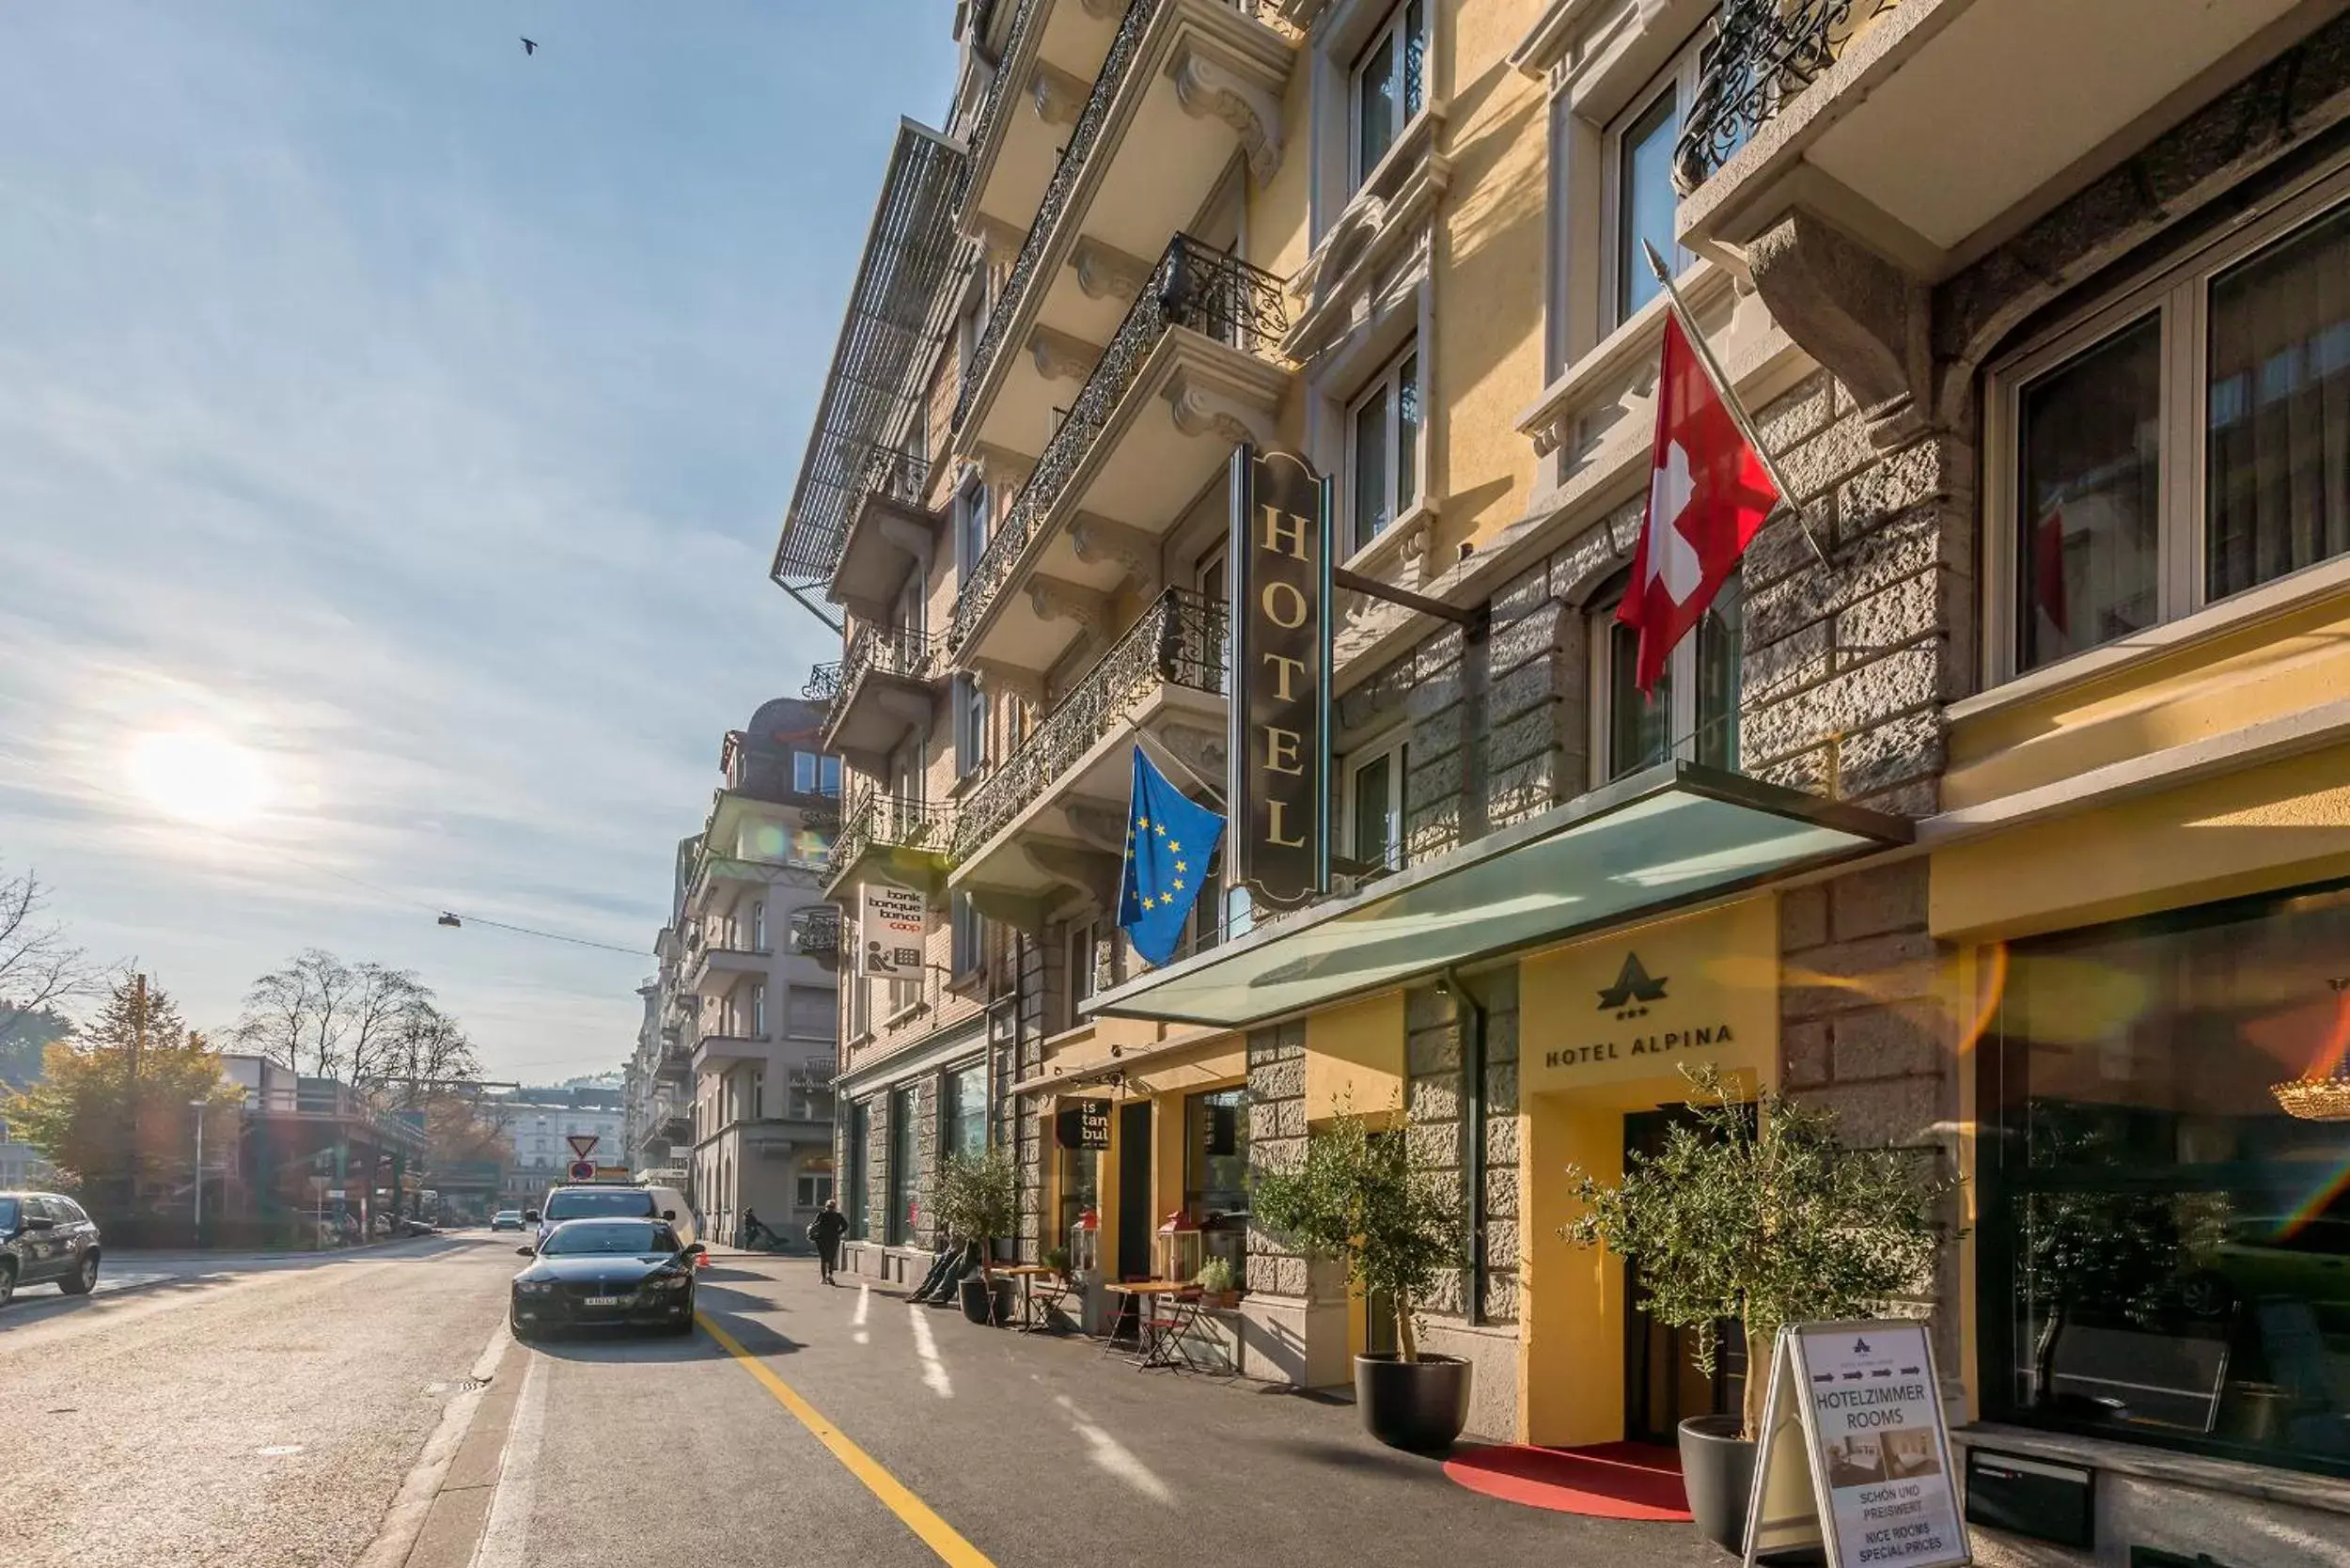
(198, 1106)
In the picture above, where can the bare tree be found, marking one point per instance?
(39, 967)
(301, 1014)
(378, 1005)
(428, 1055)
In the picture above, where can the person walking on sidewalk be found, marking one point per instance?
(825, 1230)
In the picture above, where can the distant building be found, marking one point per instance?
(540, 1123)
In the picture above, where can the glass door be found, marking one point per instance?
(1663, 1383)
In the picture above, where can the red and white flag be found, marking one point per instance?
(1709, 491)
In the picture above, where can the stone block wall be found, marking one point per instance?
(1276, 1141)
(876, 1166)
(925, 1098)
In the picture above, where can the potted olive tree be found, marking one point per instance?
(976, 1198)
(1753, 1214)
(1356, 1197)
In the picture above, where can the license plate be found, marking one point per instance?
(605, 1300)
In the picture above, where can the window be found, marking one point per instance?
(1640, 200)
(2187, 442)
(1383, 450)
(1387, 86)
(860, 993)
(899, 1176)
(1216, 1172)
(2163, 1242)
(1693, 711)
(813, 1011)
(1375, 796)
(759, 1095)
(968, 932)
(1082, 936)
(962, 1110)
(970, 513)
(758, 925)
(757, 1011)
(828, 775)
(1080, 1188)
(812, 1191)
(970, 719)
(859, 1141)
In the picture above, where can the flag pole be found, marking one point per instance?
(1729, 399)
(1167, 762)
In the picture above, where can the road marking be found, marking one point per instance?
(856, 1319)
(504, 1537)
(1116, 1457)
(279, 1451)
(918, 1515)
(933, 1369)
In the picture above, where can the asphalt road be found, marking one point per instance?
(318, 1415)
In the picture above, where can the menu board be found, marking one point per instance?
(1855, 1455)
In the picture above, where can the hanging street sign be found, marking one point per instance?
(1083, 1124)
(1281, 625)
(582, 1144)
(1854, 1456)
(889, 933)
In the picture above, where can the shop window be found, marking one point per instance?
(962, 1110)
(1080, 1187)
(859, 1141)
(2165, 1240)
(899, 1176)
(1383, 450)
(1216, 1173)
(1387, 86)
(2186, 442)
(1374, 801)
(1692, 712)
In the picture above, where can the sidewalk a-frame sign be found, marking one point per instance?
(1854, 1457)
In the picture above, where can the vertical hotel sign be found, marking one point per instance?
(1280, 618)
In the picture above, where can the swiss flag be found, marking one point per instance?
(1708, 494)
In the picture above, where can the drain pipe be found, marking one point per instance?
(1469, 1018)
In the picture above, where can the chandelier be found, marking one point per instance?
(2326, 1099)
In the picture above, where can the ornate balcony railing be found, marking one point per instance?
(823, 683)
(1178, 641)
(984, 124)
(815, 933)
(897, 820)
(902, 477)
(1193, 287)
(893, 651)
(1765, 53)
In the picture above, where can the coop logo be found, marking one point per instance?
(1630, 997)
(1633, 991)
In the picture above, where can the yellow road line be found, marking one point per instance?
(936, 1532)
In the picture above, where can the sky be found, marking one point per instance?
(394, 433)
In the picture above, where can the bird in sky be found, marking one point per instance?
(530, 46)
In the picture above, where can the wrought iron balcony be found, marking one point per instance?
(901, 477)
(1178, 641)
(890, 822)
(815, 933)
(823, 683)
(1193, 287)
(1763, 54)
(869, 717)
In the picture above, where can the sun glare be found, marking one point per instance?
(199, 776)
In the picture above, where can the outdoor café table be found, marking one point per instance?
(1028, 1274)
(1159, 1346)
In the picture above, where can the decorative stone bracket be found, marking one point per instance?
(1059, 357)
(1100, 541)
(1862, 317)
(1091, 871)
(1210, 81)
(1203, 409)
(1059, 96)
(1056, 599)
(1105, 271)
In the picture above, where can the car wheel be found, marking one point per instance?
(7, 1282)
(524, 1335)
(83, 1279)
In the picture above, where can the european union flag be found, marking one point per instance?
(1168, 840)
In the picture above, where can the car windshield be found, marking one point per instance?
(576, 1203)
(617, 1238)
(8, 1213)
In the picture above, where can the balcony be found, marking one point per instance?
(1184, 85)
(1929, 130)
(1054, 815)
(889, 534)
(885, 694)
(902, 839)
(715, 969)
(1051, 56)
(720, 1053)
(815, 933)
(1191, 370)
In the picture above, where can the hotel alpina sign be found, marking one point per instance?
(1280, 612)
(1690, 991)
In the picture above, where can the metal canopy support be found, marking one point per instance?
(870, 387)
(1355, 582)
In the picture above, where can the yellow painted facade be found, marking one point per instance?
(1354, 1060)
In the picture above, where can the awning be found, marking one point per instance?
(1669, 836)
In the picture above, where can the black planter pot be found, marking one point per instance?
(1717, 1472)
(976, 1293)
(1420, 1405)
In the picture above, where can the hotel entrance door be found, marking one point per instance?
(1663, 1383)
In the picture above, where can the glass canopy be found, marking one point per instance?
(1670, 836)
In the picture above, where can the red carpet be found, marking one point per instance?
(1606, 1481)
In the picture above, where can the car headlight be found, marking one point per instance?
(533, 1287)
(670, 1283)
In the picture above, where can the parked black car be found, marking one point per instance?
(44, 1237)
(587, 1273)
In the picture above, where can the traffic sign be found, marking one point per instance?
(583, 1170)
(582, 1144)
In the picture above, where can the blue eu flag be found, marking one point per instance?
(1168, 840)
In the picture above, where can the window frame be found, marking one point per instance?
(1682, 670)
(1678, 76)
(968, 711)
(970, 509)
(1391, 27)
(2177, 291)
(1078, 944)
(1389, 381)
(1395, 749)
(966, 942)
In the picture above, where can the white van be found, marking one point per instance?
(671, 1203)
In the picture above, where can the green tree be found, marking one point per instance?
(976, 1198)
(1756, 1212)
(112, 1110)
(1358, 1197)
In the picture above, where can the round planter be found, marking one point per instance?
(976, 1304)
(1717, 1472)
(1420, 1405)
